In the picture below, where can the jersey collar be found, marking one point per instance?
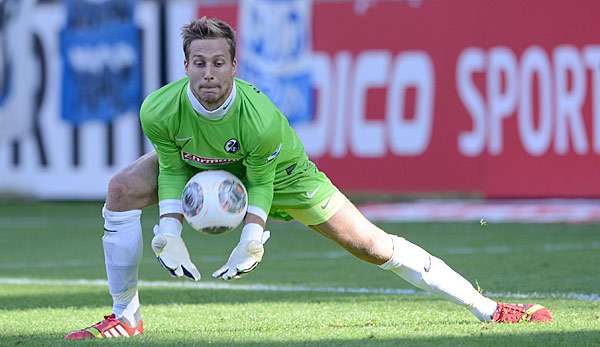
(219, 112)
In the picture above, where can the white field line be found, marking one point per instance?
(545, 248)
(284, 288)
(204, 259)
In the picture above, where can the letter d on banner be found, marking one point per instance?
(19, 72)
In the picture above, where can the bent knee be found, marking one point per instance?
(126, 193)
(119, 191)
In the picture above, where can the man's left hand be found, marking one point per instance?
(244, 258)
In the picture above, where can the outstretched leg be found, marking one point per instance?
(351, 230)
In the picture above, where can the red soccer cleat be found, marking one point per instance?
(109, 327)
(515, 313)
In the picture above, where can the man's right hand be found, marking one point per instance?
(170, 249)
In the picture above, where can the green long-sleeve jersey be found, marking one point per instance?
(253, 140)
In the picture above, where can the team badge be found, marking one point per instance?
(232, 146)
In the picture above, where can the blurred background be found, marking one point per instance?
(419, 98)
(470, 127)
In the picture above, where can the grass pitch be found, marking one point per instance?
(307, 291)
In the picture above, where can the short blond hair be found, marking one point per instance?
(207, 28)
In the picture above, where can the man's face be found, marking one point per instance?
(211, 71)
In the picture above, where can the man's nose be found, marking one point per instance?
(208, 73)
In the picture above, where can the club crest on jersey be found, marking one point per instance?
(232, 146)
(206, 161)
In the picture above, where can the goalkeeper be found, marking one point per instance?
(212, 120)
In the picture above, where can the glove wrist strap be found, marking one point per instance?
(250, 232)
(170, 226)
(170, 206)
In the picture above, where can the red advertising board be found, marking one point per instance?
(498, 97)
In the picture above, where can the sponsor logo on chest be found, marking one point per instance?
(206, 161)
(231, 146)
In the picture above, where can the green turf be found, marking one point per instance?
(61, 241)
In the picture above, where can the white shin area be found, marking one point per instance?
(122, 242)
(421, 269)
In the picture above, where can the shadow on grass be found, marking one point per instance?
(99, 297)
(546, 339)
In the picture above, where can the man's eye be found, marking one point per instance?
(199, 63)
(219, 64)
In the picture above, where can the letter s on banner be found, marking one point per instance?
(471, 60)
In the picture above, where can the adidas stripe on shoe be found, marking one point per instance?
(109, 327)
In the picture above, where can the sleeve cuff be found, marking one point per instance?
(170, 206)
(257, 211)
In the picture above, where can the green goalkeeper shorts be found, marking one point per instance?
(310, 199)
(319, 213)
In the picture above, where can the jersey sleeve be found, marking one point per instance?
(261, 163)
(173, 172)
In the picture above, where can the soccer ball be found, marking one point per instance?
(214, 201)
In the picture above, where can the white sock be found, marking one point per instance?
(431, 274)
(122, 243)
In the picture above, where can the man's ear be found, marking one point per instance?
(186, 64)
(234, 64)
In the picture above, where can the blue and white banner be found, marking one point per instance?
(275, 50)
(100, 50)
(55, 158)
